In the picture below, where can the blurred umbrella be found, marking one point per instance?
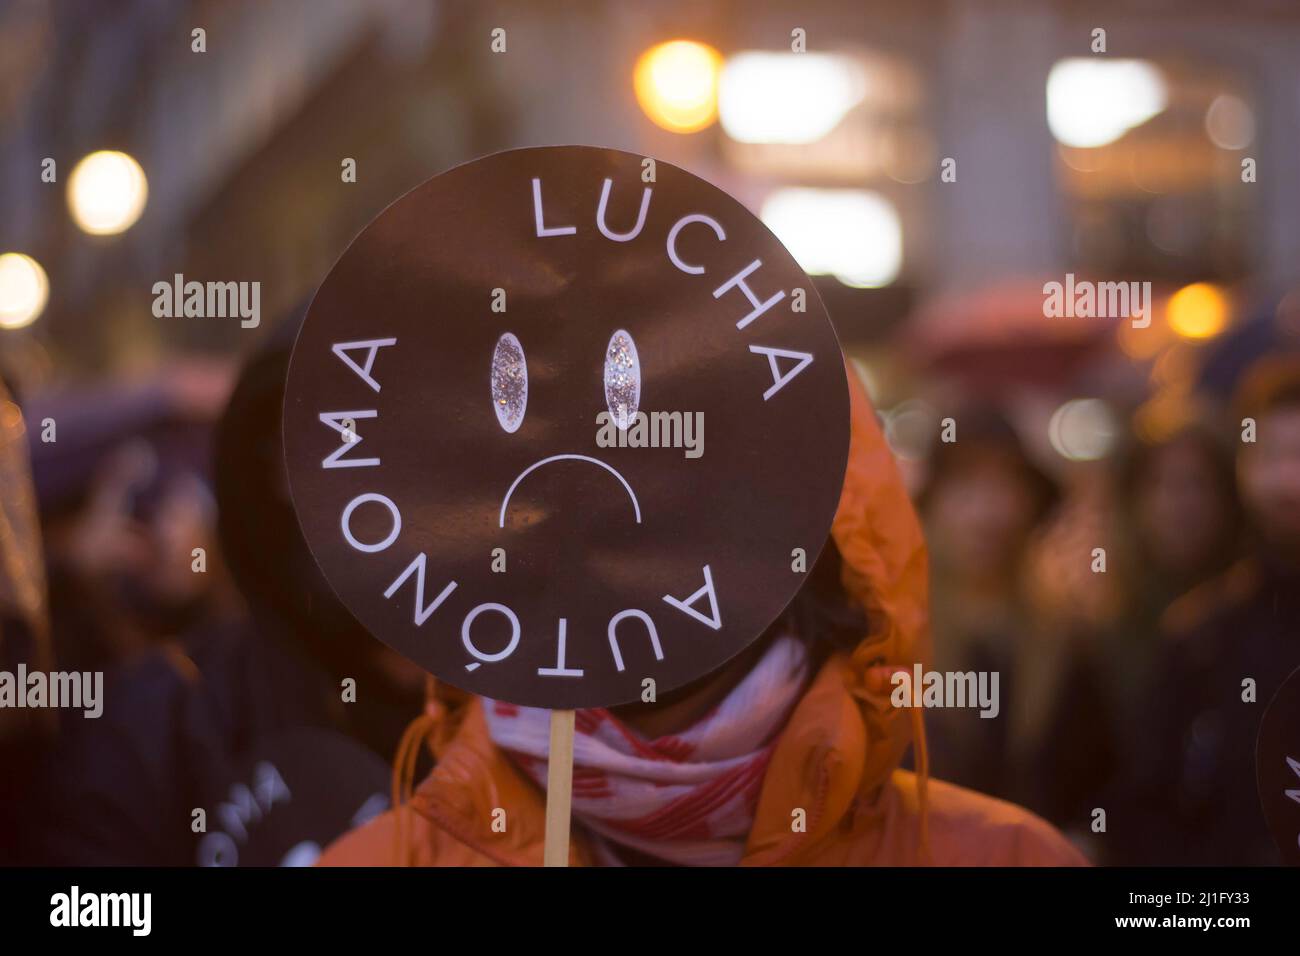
(174, 408)
(999, 337)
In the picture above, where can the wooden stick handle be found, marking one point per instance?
(559, 789)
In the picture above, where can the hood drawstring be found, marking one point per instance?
(922, 781)
(878, 680)
(405, 762)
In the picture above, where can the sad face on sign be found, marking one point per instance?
(441, 426)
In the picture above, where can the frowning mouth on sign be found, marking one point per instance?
(505, 503)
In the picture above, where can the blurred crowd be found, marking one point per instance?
(1124, 602)
(1126, 613)
(175, 565)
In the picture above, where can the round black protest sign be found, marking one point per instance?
(566, 424)
(1277, 768)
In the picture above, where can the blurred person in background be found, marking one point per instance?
(1174, 523)
(121, 479)
(24, 625)
(289, 600)
(1196, 783)
(1178, 522)
(183, 715)
(984, 501)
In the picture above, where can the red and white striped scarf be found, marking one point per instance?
(688, 798)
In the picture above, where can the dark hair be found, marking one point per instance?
(1138, 455)
(984, 428)
(260, 537)
(822, 614)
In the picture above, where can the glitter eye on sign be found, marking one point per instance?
(509, 382)
(510, 552)
(622, 378)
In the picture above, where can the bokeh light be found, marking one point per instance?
(107, 192)
(852, 234)
(1141, 343)
(1083, 429)
(1093, 102)
(676, 84)
(1229, 122)
(787, 97)
(910, 428)
(1198, 311)
(24, 290)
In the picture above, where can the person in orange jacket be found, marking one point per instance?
(787, 755)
